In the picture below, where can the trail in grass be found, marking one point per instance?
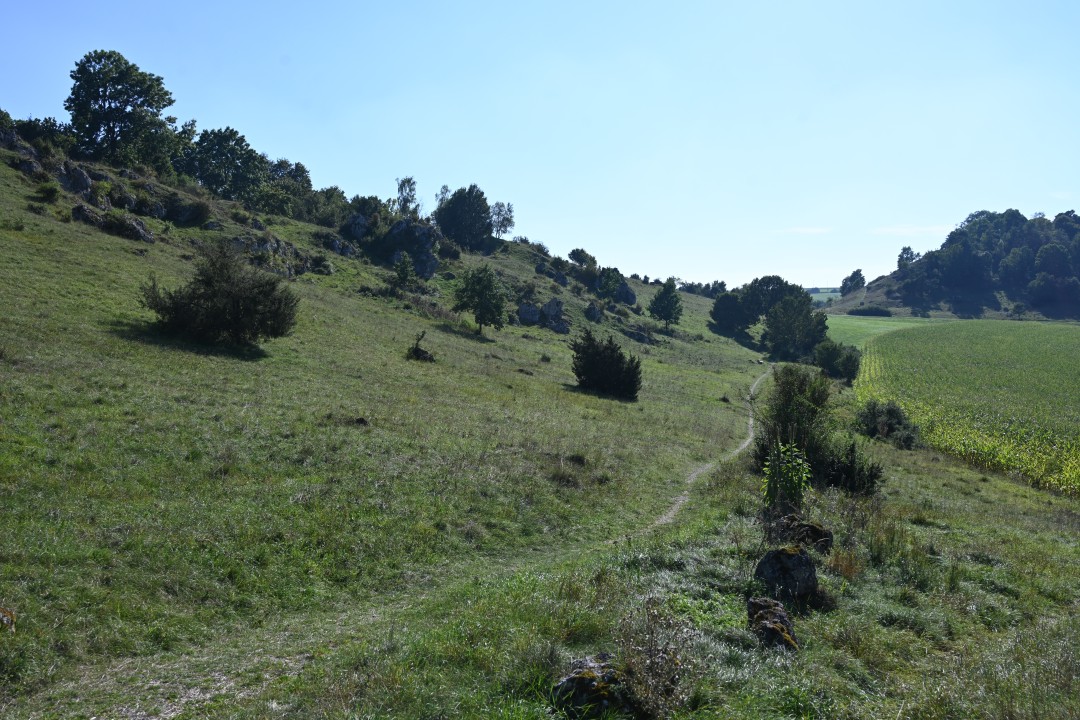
(244, 661)
(669, 515)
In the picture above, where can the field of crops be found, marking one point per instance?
(999, 394)
(858, 329)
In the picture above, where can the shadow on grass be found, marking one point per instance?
(742, 338)
(578, 390)
(150, 333)
(460, 331)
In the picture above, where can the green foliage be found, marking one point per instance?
(792, 328)
(116, 108)
(666, 305)
(580, 257)
(225, 164)
(838, 360)
(906, 257)
(870, 311)
(991, 252)
(48, 191)
(502, 219)
(480, 291)
(854, 281)
(604, 367)
(465, 218)
(728, 314)
(227, 301)
(405, 278)
(49, 137)
(887, 420)
(787, 477)
(796, 414)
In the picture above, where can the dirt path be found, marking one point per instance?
(677, 505)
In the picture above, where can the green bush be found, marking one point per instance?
(796, 414)
(48, 192)
(227, 301)
(888, 421)
(838, 360)
(871, 311)
(603, 367)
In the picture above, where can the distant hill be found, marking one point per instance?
(991, 265)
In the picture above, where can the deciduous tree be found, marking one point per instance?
(502, 218)
(480, 291)
(115, 106)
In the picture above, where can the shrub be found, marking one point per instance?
(847, 467)
(887, 421)
(605, 368)
(871, 310)
(227, 301)
(48, 192)
(796, 414)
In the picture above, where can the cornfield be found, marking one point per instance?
(1002, 395)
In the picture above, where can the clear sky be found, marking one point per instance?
(705, 140)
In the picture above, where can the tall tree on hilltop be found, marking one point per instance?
(224, 163)
(465, 218)
(854, 281)
(666, 304)
(906, 257)
(407, 204)
(502, 218)
(114, 106)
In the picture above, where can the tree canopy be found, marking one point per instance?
(465, 218)
(115, 107)
(991, 252)
(502, 218)
(480, 291)
(854, 281)
(666, 304)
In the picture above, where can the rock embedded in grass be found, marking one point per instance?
(770, 622)
(788, 572)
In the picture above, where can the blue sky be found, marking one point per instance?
(704, 140)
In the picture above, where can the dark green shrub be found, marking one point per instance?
(796, 414)
(888, 421)
(227, 301)
(48, 192)
(838, 360)
(847, 467)
(603, 367)
(871, 311)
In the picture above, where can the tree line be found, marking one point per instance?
(1033, 261)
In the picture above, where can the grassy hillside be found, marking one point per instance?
(320, 528)
(999, 394)
(155, 490)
